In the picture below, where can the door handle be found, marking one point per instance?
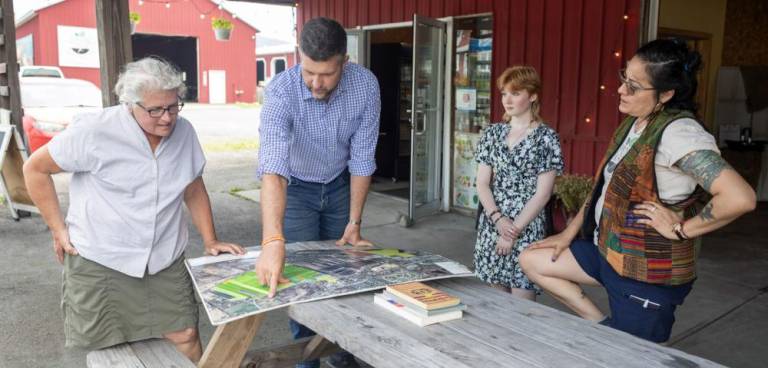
(420, 124)
(420, 130)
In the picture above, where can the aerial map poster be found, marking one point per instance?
(229, 287)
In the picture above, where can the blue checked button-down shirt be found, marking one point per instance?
(316, 140)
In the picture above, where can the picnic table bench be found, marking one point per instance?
(152, 353)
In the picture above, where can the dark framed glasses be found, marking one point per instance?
(157, 112)
(632, 87)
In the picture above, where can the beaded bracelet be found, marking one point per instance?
(497, 219)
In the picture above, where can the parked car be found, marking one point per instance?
(51, 103)
(40, 71)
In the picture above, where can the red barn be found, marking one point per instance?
(63, 33)
(273, 55)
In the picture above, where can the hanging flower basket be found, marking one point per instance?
(222, 28)
(222, 34)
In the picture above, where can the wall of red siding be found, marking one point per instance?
(289, 62)
(76, 13)
(570, 42)
(31, 27)
(236, 56)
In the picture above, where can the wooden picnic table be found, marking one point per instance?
(497, 330)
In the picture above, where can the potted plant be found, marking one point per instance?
(135, 19)
(222, 28)
(571, 192)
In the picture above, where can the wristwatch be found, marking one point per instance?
(356, 222)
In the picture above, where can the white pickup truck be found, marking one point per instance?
(40, 71)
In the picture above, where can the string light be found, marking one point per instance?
(617, 54)
(626, 17)
(203, 11)
(587, 120)
(602, 87)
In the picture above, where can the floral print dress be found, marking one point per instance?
(515, 173)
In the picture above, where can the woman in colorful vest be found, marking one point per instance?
(661, 186)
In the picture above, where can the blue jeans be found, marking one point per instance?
(316, 211)
(641, 309)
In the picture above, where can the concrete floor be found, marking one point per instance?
(724, 319)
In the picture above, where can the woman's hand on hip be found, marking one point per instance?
(658, 217)
(62, 245)
(558, 243)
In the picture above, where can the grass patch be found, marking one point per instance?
(235, 191)
(232, 146)
(2, 200)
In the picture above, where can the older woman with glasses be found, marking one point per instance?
(122, 243)
(638, 233)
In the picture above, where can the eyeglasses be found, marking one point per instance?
(632, 86)
(157, 112)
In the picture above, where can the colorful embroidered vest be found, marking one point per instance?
(635, 250)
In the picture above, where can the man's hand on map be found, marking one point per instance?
(269, 266)
(61, 244)
(352, 237)
(214, 247)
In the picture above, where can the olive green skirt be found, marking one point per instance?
(103, 307)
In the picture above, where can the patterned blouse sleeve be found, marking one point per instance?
(551, 154)
(483, 152)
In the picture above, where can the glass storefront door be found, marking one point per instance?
(472, 104)
(426, 115)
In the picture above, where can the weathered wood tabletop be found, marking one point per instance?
(496, 331)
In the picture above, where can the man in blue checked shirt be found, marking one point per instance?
(319, 127)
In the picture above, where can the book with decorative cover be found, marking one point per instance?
(421, 311)
(422, 295)
(393, 306)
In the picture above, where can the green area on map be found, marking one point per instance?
(247, 285)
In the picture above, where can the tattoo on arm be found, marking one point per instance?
(706, 213)
(705, 166)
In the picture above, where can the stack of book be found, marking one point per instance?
(420, 303)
